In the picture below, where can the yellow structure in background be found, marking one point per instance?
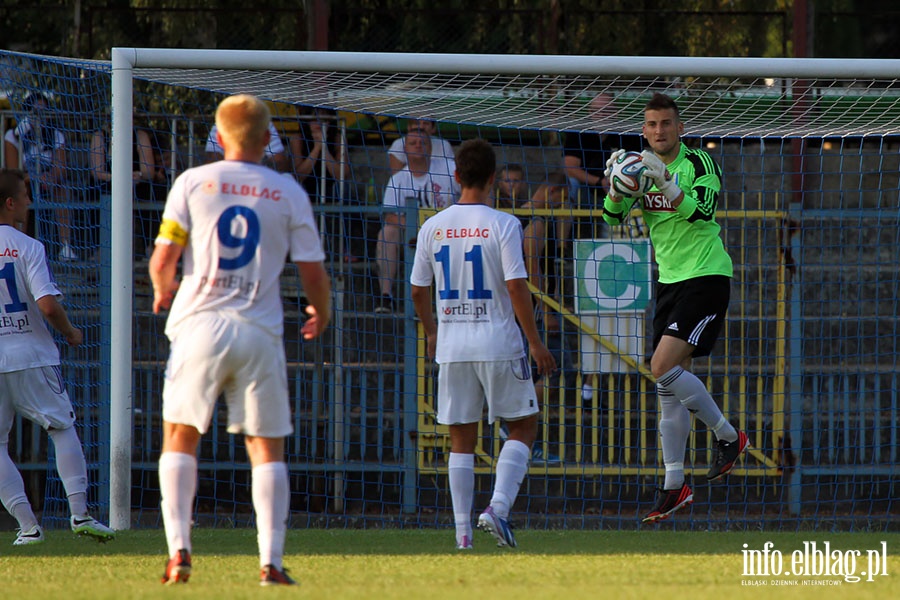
(580, 433)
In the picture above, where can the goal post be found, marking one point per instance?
(752, 100)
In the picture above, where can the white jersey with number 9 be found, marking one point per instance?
(237, 222)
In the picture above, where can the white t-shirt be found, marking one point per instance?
(470, 251)
(241, 221)
(275, 146)
(25, 339)
(435, 189)
(35, 156)
(441, 152)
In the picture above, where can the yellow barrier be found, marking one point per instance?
(614, 432)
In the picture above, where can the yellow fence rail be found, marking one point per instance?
(613, 432)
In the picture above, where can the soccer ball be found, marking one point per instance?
(628, 177)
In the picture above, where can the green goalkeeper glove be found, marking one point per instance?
(656, 170)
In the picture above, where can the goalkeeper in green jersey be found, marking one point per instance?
(692, 295)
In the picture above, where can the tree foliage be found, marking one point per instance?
(849, 28)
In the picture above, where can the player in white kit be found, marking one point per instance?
(473, 256)
(30, 380)
(234, 222)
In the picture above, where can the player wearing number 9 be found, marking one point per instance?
(231, 223)
(473, 255)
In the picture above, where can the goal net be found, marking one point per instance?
(806, 363)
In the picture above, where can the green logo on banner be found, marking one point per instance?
(612, 275)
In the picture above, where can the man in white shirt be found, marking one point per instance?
(275, 154)
(234, 221)
(441, 150)
(432, 185)
(40, 149)
(30, 380)
(473, 255)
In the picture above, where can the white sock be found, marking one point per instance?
(177, 486)
(691, 392)
(674, 429)
(12, 492)
(512, 464)
(271, 502)
(71, 468)
(461, 472)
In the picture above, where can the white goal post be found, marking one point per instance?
(351, 79)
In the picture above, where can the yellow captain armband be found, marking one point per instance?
(173, 232)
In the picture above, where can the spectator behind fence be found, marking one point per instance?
(480, 354)
(692, 294)
(441, 150)
(38, 146)
(544, 248)
(148, 176)
(226, 325)
(511, 190)
(31, 383)
(584, 155)
(275, 155)
(431, 185)
(321, 165)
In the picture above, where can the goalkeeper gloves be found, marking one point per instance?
(656, 170)
(607, 173)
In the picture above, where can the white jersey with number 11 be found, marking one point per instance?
(469, 252)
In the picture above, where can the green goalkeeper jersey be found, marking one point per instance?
(686, 239)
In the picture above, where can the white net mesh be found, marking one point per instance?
(714, 107)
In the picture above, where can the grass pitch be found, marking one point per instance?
(413, 564)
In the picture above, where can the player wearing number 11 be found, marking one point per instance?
(473, 254)
(30, 380)
(234, 221)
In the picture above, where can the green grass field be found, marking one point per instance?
(413, 564)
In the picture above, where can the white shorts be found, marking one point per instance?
(506, 385)
(38, 394)
(218, 355)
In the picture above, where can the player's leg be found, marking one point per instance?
(460, 403)
(196, 368)
(12, 487)
(461, 475)
(510, 395)
(45, 401)
(72, 471)
(258, 406)
(673, 376)
(12, 495)
(512, 463)
(674, 429)
(178, 487)
(271, 494)
(689, 328)
(387, 254)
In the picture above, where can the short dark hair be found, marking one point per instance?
(512, 168)
(9, 182)
(662, 102)
(475, 163)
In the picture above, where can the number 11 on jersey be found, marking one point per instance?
(478, 292)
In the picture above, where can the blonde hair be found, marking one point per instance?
(243, 121)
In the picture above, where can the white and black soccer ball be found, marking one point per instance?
(628, 177)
